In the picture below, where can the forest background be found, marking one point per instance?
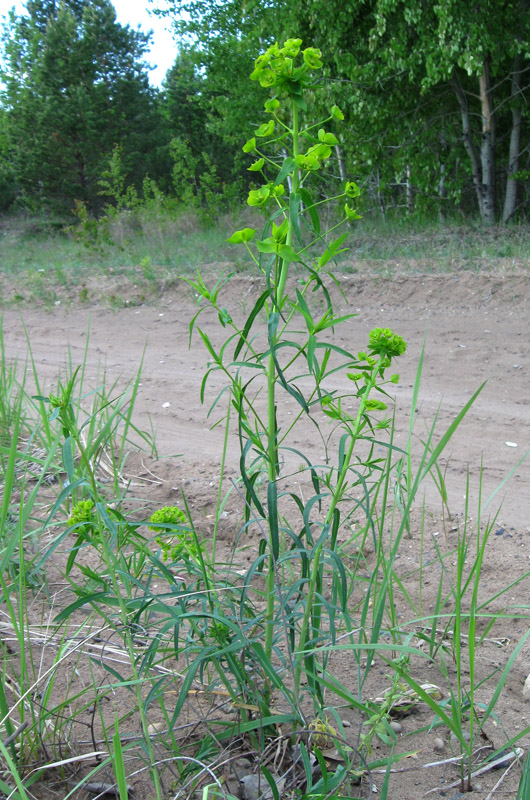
(435, 97)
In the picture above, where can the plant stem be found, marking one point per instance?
(221, 478)
(295, 177)
(272, 434)
(337, 494)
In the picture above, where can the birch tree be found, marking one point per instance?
(422, 63)
(481, 50)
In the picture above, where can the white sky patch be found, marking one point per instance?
(163, 49)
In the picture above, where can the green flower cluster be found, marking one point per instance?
(55, 401)
(287, 71)
(183, 543)
(312, 159)
(384, 342)
(82, 512)
(384, 345)
(258, 197)
(168, 515)
(220, 633)
(277, 67)
(375, 405)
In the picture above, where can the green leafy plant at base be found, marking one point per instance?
(297, 348)
(111, 587)
(284, 354)
(64, 466)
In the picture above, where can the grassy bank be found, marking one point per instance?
(49, 264)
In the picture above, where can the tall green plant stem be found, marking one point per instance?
(337, 494)
(295, 177)
(272, 433)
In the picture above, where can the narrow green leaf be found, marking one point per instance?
(339, 572)
(287, 385)
(208, 345)
(118, 762)
(294, 211)
(68, 458)
(66, 492)
(266, 665)
(250, 321)
(272, 507)
(303, 308)
(311, 354)
(188, 681)
(13, 772)
(94, 598)
(272, 783)
(333, 250)
(449, 433)
(108, 522)
(330, 322)
(249, 486)
(9, 475)
(311, 210)
(287, 167)
(259, 724)
(74, 551)
(504, 676)
(523, 792)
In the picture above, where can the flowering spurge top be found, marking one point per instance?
(384, 342)
(277, 67)
(286, 71)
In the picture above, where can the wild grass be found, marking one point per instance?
(143, 253)
(435, 246)
(139, 255)
(131, 656)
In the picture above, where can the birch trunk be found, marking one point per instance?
(408, 189)
(510, 197)
(442, 188)
(483, 164)
(487, 146)
(340, 162)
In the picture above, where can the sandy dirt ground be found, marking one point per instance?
(476, 329)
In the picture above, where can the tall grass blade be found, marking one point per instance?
(523, 792)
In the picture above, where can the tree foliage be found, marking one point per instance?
(435, 93)
(75, 86)
(435, 97)
(439, 88)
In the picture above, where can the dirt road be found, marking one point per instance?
(476, 327)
